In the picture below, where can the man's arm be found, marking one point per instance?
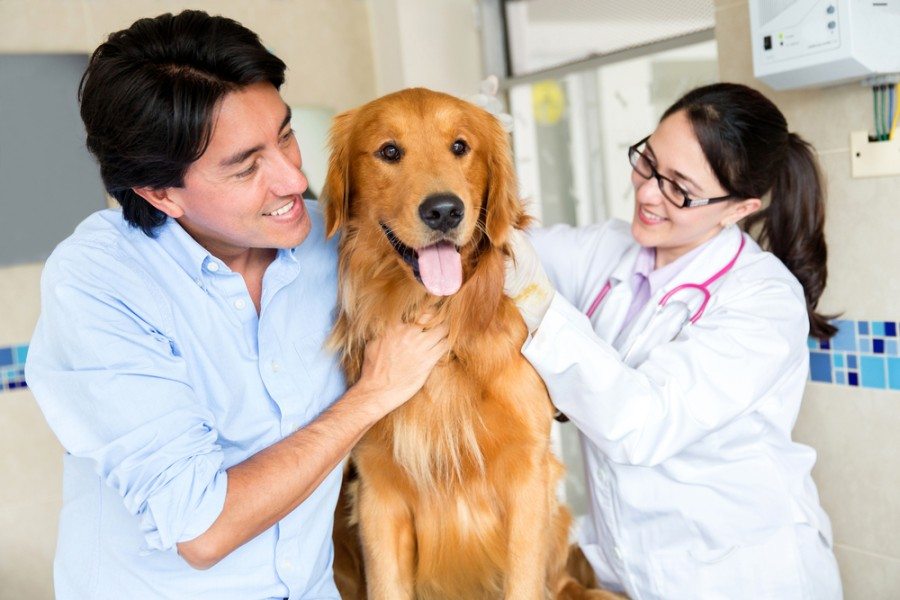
(264, 488)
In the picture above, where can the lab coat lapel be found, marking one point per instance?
(609, 316)
(718, 252)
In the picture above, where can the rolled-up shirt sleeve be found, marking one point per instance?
(115, 390)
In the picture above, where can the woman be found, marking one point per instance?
(685, 401)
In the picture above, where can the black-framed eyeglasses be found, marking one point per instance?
(673, 192)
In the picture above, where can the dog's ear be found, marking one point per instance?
(504, 210)
(336, 191)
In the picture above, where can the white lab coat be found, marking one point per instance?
(696, 489)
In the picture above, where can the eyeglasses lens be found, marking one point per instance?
(643, 168)
(672, 193)
(640, 164)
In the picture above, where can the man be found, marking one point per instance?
(179, 355)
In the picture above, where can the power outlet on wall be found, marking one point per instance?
(873, 159)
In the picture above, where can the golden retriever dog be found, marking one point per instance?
(456, 496)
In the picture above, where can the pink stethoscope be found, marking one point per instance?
(703, 288)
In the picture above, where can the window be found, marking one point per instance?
(571, 132)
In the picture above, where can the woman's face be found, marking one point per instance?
(675, 152)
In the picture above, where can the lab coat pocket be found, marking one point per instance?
(768, 569)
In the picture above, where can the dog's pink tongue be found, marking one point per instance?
(440, 268)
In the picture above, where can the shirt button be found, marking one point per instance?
(618, 552)
(213, 266)
(286, 564)
(275, 366)
(240, 304)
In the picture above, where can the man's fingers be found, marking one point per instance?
(437, 335)
(436, 353)
(424, 319)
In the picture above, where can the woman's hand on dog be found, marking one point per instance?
(397, 363)
(526, 282)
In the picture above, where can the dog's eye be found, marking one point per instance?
(390, 153)
(459, 148)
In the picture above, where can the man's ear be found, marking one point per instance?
(161, 200)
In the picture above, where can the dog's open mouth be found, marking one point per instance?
(438, 266)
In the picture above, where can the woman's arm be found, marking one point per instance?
(711, 373)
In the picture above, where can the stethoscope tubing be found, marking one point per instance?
(702, 287)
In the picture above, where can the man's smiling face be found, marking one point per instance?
(245, 191)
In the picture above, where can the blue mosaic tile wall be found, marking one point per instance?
(12, 367)
(862, 354)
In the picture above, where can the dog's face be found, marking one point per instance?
(427, 174)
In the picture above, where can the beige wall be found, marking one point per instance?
(30, 456)
(433, 44)
(326, 45)
(853, 429)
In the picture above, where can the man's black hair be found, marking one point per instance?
(149, 94)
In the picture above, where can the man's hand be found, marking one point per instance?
(271, 483)
(526, 283)
(397, 364)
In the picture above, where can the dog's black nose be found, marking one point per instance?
(442, 212)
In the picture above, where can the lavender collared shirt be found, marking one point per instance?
(646, 280)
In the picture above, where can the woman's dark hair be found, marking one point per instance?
(746, 141)
(149, 94)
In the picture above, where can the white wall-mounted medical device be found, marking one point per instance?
(804, 43)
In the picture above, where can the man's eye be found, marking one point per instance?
(287, 137)
(248, 171)
(390, 153)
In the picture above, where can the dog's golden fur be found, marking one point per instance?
(456, 496)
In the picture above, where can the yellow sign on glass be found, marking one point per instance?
(549, 102)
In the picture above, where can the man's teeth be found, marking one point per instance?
(284, 209)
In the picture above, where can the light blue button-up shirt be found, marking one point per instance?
(153, 369)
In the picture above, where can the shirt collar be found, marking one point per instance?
(187, 253)
(659, 278)
(646, 258)
(288, 253)
(194, 258)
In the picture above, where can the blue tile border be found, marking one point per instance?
(861, 354)
(12, 367)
